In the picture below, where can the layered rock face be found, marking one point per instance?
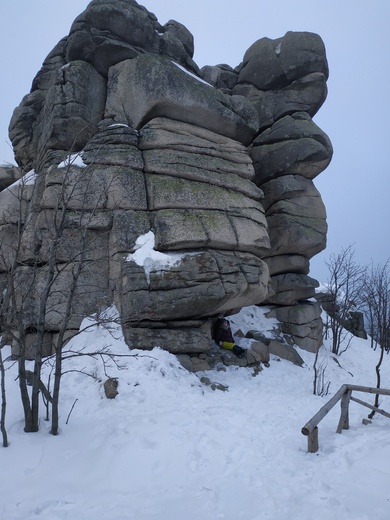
(131, 144)
(285, 79)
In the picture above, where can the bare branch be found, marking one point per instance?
(344, 290)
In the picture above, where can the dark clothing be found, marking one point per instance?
(222, 334)
(224, 337)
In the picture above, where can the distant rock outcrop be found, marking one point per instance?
(215, 165)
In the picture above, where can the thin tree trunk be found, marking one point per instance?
(41, 333)
(315, 373)
(56, 390)
(60, 343)
(28, 418)
(378, 381)
(3, 402)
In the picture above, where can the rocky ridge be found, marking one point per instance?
(218, 163)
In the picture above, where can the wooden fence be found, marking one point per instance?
(344, 395)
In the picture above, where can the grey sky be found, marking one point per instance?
(355, 187)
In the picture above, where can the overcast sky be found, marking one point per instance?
(356, 116)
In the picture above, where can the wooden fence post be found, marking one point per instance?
(312, 441)
(344, 417)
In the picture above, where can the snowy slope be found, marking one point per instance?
(170, 448)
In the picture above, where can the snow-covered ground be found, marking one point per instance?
(170, 448)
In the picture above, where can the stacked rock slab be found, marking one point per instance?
(131, 147)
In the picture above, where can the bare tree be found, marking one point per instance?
(320, 385)
(45, 267)
(376, 294)
(343, 295)
(54, 237)
(12, 218)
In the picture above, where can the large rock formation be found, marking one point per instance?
(131, 145)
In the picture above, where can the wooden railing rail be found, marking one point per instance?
(344, 395)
